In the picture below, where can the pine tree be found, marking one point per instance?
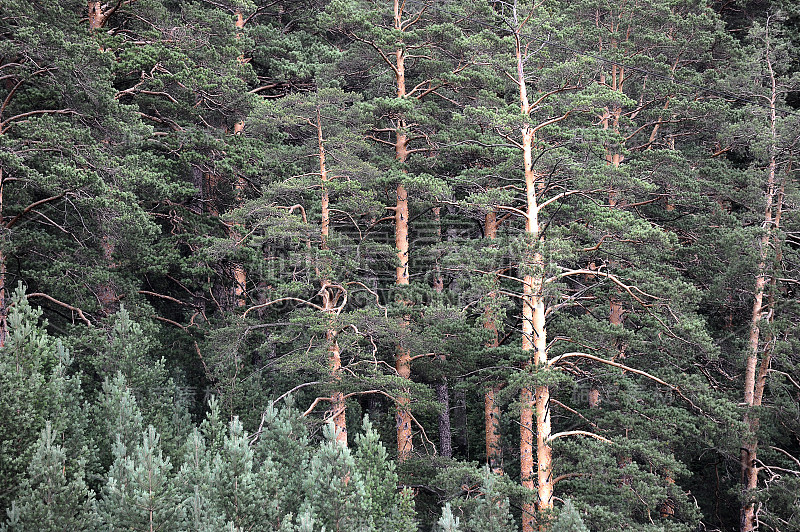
(388, 509)
(569, 520)
(238, 485)
(141, 493)
(37, 389)
(49, 498)
(491, 513)
(448, 522)
(194, 480)
(335, 492)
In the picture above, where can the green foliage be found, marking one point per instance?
(37, 389)
(387, 508)
(569, 520)
(53, 496)
(156, 159)
(140, 492)
(448, 522)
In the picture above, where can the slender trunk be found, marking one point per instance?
(491, 412)
(330, 296)
(3, 310)
(534, 335)
(442, 388)
(239, 273)
(106, 294)
(405, 442)
(755, 377)
(445, 432)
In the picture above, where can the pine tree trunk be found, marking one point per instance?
(405, 442)
(491, 412)
(3, 309)
(534, 335)
(755, 376)
(330, 296)
(442, 388)
(239, 273)
(445, 432)
(106, 294)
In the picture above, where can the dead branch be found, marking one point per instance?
(578, 433)
(76, 310)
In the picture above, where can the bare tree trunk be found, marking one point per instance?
(239, 273)
(755, 376)
(534, 335)
(445, 432)
(330, 296)
(442, 388)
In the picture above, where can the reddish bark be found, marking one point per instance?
(405, 442)
(491, 412)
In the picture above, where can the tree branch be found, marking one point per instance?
(578, 433)
(78, 311)
(32, 206)
(268, 303)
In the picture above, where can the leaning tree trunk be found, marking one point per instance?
(756, 366)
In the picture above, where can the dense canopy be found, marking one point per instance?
(397, 265)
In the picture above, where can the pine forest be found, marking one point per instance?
(400, 265)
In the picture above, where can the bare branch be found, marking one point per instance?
(76, 310)
(32, 206)
(314, 405)
(5, 122)
(268, 303)
(578, 433)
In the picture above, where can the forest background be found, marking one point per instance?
(547, 252)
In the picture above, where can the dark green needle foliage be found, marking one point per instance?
(162, 198)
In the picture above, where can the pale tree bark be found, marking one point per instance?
(534, 336)
(239, 273)
(331, 294)
(757, 363)
(99, 13)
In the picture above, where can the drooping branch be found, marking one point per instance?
(611, 277)
(268, 303)
(555, 360)
(32, 206)
(577, 433)
(76, 310)
(20, 116)
(564, 195)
